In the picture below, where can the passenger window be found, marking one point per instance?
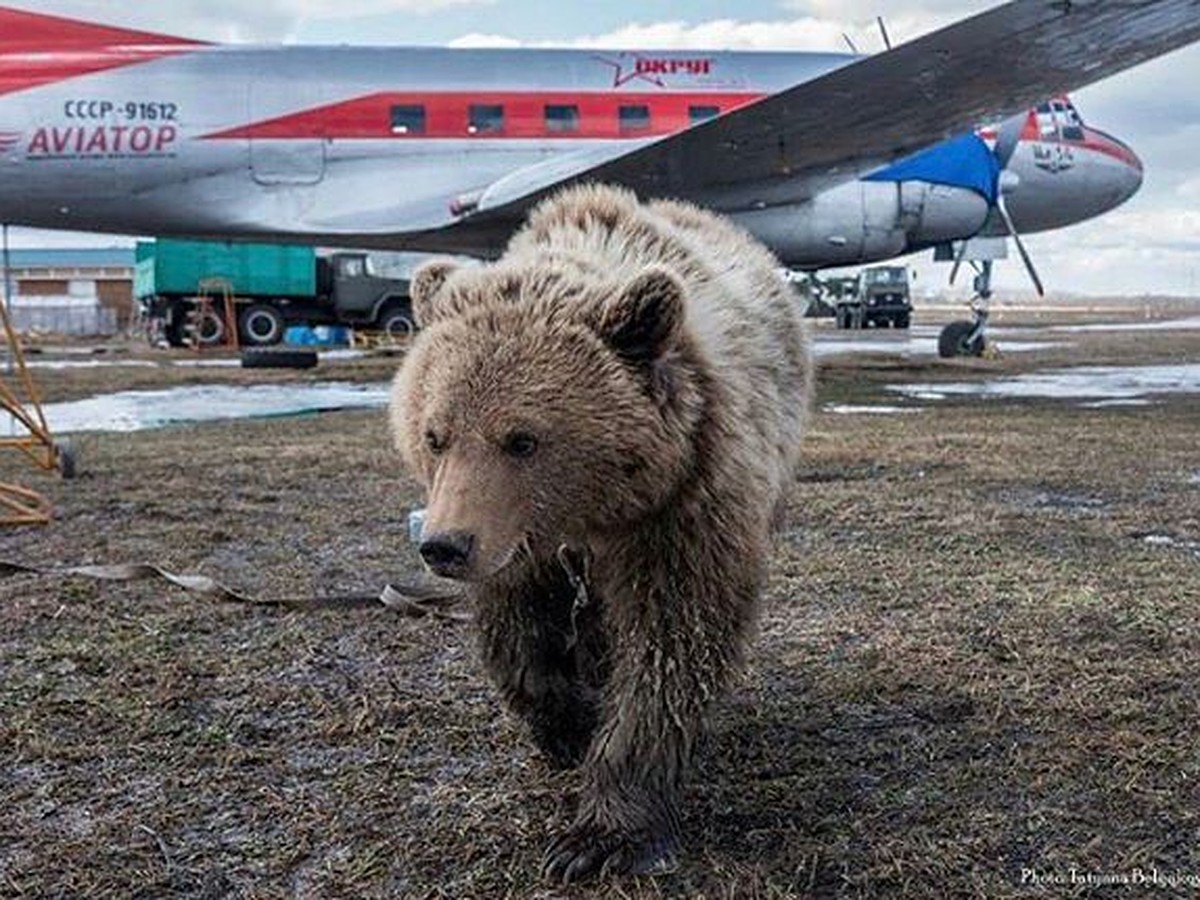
(485, 119)
(633, 118)
(562, 119)
(698, 114)
(408, 120)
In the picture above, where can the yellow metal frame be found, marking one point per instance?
(18, 505)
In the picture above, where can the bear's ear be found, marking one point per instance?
(424, 289)
(643, 321)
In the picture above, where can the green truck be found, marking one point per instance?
(878, 296)
(272, 286)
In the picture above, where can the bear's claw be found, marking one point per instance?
(588, 850)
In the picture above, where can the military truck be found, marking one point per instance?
(879, 296)
(181, 288)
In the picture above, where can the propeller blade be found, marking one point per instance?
(887, 41)
(1008, 136)
(1002, 208)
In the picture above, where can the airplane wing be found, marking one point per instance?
(794, 144)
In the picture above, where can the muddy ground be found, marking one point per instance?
(978, 666)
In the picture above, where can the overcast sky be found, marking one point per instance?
(1150, 245)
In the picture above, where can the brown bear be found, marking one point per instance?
(604, 419)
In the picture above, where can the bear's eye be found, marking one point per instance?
(435, 442)
(520, 444)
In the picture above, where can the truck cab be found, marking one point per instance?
(361, 296)
(881, 297)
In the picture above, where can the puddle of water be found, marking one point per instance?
(1096, 383)
(1054, 501)
(89, 363)
(1157, 539)
(199, 362)
(851, 409)
(1188, 324)
(910, 345)
(137, 410)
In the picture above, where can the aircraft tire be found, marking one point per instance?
(261, 325)
(953, 341)
(263, 358)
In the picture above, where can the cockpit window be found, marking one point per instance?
(1058, 120)
(1072, 124)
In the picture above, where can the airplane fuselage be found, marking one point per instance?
(384, 147)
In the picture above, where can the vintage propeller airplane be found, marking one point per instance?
(831, 159)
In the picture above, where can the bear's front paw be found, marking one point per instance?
(590, 849)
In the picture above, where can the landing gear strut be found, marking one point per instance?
(963, 338)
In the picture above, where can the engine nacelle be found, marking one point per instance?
(866, 221)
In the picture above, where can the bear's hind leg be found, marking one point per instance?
(547, 658)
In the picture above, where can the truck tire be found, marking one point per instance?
(174, 319)
(396, 319)
(262, 358)
(210, 330)
(901, 320)
(261, 325)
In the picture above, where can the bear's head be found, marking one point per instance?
(542, 407)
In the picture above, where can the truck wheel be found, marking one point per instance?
(210, 330)
(395, 319)
(173, 323)
(901, 320)
(261, 325)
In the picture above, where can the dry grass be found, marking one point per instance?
(971, 663)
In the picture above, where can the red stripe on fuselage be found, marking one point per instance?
(37, 49)
(447, 115)
(1110, 146)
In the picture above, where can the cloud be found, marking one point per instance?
(234, 20)
(804, 33)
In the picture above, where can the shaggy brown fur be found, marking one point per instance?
(621, 398)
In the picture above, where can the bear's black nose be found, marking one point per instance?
(447, 553)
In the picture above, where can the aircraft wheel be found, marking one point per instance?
(953, 341)
(261, 325)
